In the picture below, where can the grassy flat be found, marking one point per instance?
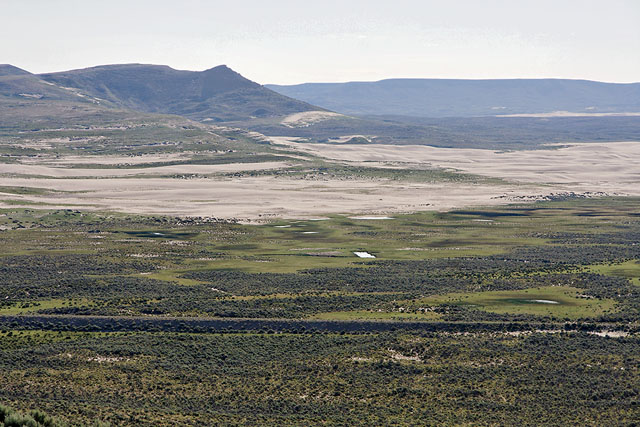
(288, 268)
(629, 270)
(557, 301)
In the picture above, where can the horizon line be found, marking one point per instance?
(334, 82)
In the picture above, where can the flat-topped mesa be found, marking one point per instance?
(468, 98)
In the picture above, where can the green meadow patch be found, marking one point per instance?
(290, 246)
(629, 270)
(556, 301)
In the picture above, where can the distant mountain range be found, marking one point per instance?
(448, 113)
(467, 98)
(222, 95)
(217, 95)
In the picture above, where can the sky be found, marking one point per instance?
(289, 42)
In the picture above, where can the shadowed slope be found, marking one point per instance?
(217, 94)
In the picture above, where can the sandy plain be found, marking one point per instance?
(13, 169)
(255, 197)
(599, 165)
(612, 168)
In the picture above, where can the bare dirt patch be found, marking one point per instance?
(121, 160)
(186, 169)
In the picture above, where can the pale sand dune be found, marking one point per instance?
(613, 168)
(258, 197)
(347, 138)
(61, 172)
(571, 114)
(114, 160)
(307, 118)
(598, 164)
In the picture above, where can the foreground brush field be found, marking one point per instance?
(151, 378)
(476, 316)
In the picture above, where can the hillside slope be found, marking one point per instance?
(19, 84)
(465, 98)
(27, 102)
(47, 119)
(218, 94)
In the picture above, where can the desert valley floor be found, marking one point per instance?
(295, 189)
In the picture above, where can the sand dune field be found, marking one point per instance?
(586, 163)
(611, 168)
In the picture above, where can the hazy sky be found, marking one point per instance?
(283, 41)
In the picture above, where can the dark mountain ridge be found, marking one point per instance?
(218, 94)
(10, 70)
(19, 84)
